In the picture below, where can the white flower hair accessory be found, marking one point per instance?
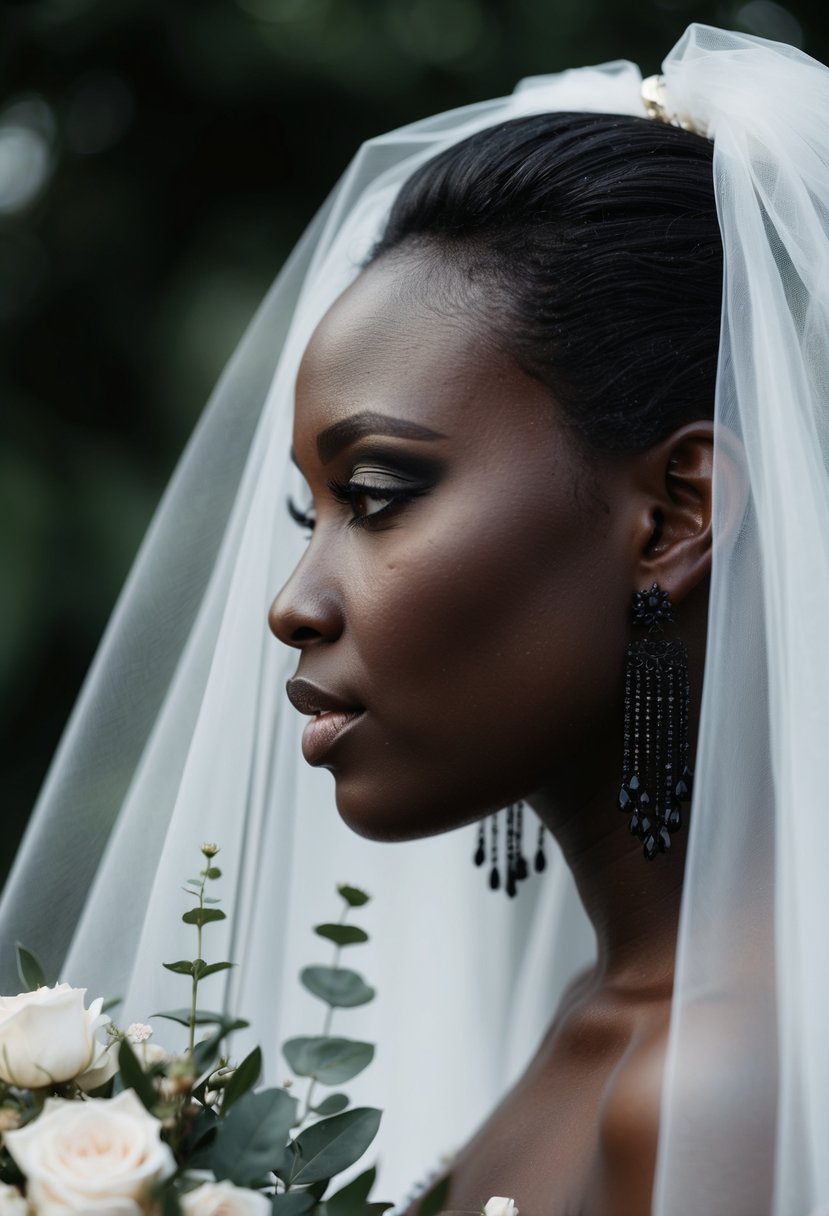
(659, 106)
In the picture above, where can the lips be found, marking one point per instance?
(332, 716)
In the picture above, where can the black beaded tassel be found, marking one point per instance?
(516, 867)
(655, 773)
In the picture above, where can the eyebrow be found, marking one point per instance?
(333, 439)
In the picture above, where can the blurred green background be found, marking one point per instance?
(158, 159)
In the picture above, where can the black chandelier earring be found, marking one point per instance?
(516, 867)
(655, 773)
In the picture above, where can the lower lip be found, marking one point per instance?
(323, 731)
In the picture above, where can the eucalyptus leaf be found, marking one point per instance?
(434, 1200)
(213, 872)
(377, 1209)
(202, 916)
(212, 968)
(110, 1003)
(353, 896)
(337, 986)
(133, 1075)
(294, 1203)
(243, 1079)
(351, 1199)
(182, 967)
(251, 1140)
(343, 935)
(32, 975)
(203, 1016)
(330, 1060)
(332, 1105)
(332, 1145)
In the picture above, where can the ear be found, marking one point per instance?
(674, 534)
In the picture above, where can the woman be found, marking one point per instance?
(503, 444)
(484, 511)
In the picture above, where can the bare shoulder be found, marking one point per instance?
(629, 1126)
(718, 1069)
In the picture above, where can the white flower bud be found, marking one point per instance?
(499, 1206)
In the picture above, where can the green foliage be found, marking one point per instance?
(342, 935)
(246, 1144)
(243, 1079)
(170, 1205)
(330, 1060)
(337, 986)
(202, 916)
(351, 1199)
(293, 1203)
(133, 1075)
(204, 1017)
(353, 896)
(435, 1198)
(332, 1145)
(182, 967)
(31, 973)
(332, 1105)
(203, 969)
(207, 1051)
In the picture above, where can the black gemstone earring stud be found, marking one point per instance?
(656, 778)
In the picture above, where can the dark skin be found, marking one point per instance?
(481, 623)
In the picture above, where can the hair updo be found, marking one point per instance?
(590, 243)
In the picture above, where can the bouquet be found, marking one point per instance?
(95, 1118)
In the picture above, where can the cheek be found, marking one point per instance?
(485, 645)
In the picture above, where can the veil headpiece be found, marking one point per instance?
(183, 733)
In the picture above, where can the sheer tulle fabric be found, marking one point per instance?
(183, 732)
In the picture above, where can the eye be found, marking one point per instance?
(371, 503)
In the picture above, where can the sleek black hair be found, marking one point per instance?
(592, 245)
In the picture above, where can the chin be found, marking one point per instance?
(390, 813)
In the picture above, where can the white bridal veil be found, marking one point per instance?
(183, 732)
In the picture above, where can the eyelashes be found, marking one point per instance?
(356, 495)
(303, 518)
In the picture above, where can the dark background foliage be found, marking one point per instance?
(158, 159)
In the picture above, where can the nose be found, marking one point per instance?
(305, 612)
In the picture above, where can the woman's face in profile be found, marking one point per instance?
(465, 587)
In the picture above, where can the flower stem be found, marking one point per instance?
(192, 1042)
(329, 1014)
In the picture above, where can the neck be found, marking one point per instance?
(633, 904)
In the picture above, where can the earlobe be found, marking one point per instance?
(679, 481)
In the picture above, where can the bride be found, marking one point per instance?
(551, 372)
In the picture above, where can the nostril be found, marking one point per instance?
(304, 634)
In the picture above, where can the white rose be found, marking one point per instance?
(499, 1206)
(101, 1155)
(12, 1202)
(224, 1199)
(47, 1036)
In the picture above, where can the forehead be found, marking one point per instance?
(397, 342)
